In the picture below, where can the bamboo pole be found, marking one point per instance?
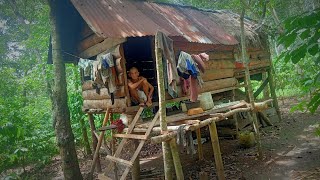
(273, 92)
(94, 139)
(200, 149)
(235, 117)
(135, 170)
(167, 158)
(247, 77)
(176, 159)
(216, 150)
(96, 153)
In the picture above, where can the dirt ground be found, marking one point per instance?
(291, 150)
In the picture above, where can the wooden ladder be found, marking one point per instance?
(115, 157)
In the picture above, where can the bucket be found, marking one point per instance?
(206, 101)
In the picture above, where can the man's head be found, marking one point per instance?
(134, 73)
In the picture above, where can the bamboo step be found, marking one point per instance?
(102, 176)
(131, 136)
(121, 161)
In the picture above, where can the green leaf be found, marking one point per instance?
(289, 39)
(313, 49)
(305, 34)
(314, 103)
(298, 54)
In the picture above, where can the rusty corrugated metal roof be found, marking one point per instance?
(123, 18)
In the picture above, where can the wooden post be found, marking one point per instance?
(167, 157)
(200, 149)
(203, 175)
(245, 59)
(235, 116)
(266, 89)
(176, 159)
(94, 140)
(216, 150)
(113, 149)
(273, 92)
(96, 153)
(135, 170)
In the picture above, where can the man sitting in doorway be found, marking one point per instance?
(140, 89)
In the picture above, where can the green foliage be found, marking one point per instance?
(302, 51)
(26, 132)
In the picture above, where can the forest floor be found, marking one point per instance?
(291, 150)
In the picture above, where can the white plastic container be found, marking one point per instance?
(206, 101)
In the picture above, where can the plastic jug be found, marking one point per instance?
(206, 101)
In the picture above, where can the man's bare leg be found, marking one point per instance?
(135, 96)
(146, 90)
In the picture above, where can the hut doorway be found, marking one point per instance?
(138, 52)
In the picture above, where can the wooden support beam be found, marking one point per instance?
(216, 150)
(200, 149)
(259, 90)
(176, 159)
(167, 156)
(273, 92)
(94, 139)
(120, 161)
(96, 153)
(163, 138)
(130, 136)
(100, 47)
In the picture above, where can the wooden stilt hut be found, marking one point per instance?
(127, 30)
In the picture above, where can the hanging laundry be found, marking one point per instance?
(86, 65)
(171, 74)
(189, 67)
(105, 73)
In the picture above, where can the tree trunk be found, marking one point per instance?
(61, 116)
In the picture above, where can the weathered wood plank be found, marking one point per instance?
(93, 95)
(214, 74)
(89, 42)
(218, 84)
(103, 104)
(100, 47)
(220, 64)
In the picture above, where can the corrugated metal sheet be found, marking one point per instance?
(122, 18)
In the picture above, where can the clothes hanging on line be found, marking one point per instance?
(86, 65)
(169, 64)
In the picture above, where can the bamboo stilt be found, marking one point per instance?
(176, 159)
(96, 154)
(200, 149)
(235, 117)
(94, 140)
(216, 150)
(248, 82)
(167, 158)
(273, 92)
(135, 170)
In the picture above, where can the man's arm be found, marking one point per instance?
(135, 85)
(150, 91)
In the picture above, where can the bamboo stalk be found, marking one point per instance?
(176, 159)
(96, 154)
(200, 149)
(94, 139)
(167, 158)
(273, 92)
(216, 150)
(247, 77)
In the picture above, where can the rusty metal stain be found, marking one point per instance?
(123, 18)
